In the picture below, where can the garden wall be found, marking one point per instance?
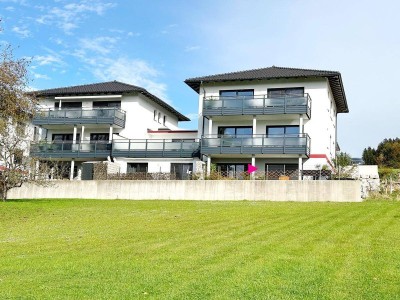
(273, 190)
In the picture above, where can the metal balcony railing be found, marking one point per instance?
(67, 149)
(257, 105)
(156, 148)
(118, 148)
(257, 144)
(112, 116)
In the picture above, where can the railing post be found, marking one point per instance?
(284, 105)
(284, 144)
(163, 148)
(242, 105)
(263, 104)
(223, 106)
(145, 152)
(181, 147)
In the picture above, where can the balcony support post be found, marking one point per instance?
(301, 126)
(82, 133)
(71, 173)
(110, 134)
(210, 123)
(208, 166)
(253, 163)
(254, 126)
(300, 167)
(74, 135)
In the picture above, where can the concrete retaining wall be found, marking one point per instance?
(323, 190)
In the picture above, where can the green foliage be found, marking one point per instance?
(387, 154)
(342, 159)
(88, 249)
(369, 156)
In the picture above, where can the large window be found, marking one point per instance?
(182, 171)
(105, 104)
(137, 167)
(236, 131)
(282, 130)
(65, 137)
(102, 137)
(286, 92)
(273, 171)
(237, 94)
(68, 105)
(232, 170)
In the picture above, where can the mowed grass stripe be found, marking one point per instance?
(197, 250)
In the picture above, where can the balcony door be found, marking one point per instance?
(280, 131)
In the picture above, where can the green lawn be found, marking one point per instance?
(93, 249)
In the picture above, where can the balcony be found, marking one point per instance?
(156, 148)
(257, 105)
(66, 149)
(258, 144)
(118, 148)
(111, 116)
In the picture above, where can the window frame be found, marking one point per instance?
(282, 126)
(236, 128)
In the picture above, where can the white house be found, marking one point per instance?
(115, 121)
(277, 119)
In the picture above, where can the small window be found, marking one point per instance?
(99, 137)
(106, 104)
(155, 115)
(159, 117)
(137, 168)
(164, 120)
(68, 105)
(241, 94)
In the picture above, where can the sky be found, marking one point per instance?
(158, 44)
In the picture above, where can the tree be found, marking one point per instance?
(17, 108)
(387, 154)
(369, 156)
(343, 166)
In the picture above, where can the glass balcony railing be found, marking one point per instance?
(156, 148)
(112, 116)
(118, 148)
(257, 105)
(258, 144)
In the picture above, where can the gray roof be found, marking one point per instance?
(334, 78)
(107, 88)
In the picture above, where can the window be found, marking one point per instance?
(99, 137)
(155, 115)
(68, 105)
(235, 131)
(159, 117)
(137, 167)
(246, 94)
(286, 92)
(106, 104)
(65, 137)
(164, 120)
(283, 130)
(182, 171)
(232, 170)
(273, 171)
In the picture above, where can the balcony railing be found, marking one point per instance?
(258, 144)
(118, 148)
(257, 105)
(67, 149)
(112, 116)
(156, 148)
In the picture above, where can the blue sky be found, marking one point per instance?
(158, 44)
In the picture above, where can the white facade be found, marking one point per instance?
(146, 121)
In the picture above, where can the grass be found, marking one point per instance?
(93, 249)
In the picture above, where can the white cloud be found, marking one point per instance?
(191, 48)
(40, 76)
(69, 16)
(101, 45)
(133, 71)
(21, 31)
(49, 59)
